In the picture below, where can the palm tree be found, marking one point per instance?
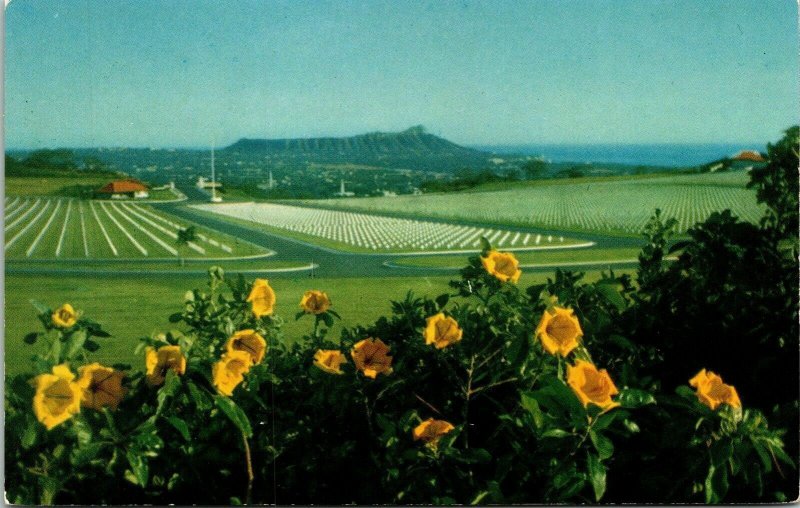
(184, 237)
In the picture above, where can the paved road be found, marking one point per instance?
(333, 263)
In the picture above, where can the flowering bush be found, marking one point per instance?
(489, 395)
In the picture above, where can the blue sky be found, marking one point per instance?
(179, 73)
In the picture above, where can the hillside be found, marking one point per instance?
(410, 149)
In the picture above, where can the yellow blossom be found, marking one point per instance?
(442, 331)
(158, 362)
(229, 371)
(262, 298)
(329, 360)
(559, 331)
(102, 386)
(502, 265)
(371, 357)
(315, 302)
(58, 396)
(65, 316)
(712, 391)
(591, 385)
(430, 431)
(250, 342)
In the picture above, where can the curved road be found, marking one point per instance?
(333, 263)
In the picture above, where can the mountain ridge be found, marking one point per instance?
(411, 148)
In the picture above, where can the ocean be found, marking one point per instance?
(674, 155)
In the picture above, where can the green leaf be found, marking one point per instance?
(479, 498)
(235, 414)
(716, 484)
(557, 433)
(606, 419)
(327, 319)
(199, 397)
(631, 398)
(54, 354)
(171, 384)
(531, 406)
(176, 317)
(30, 434)
(74, 344)
(180, 426)
(603, 445)
(762, 454)
(49, 488)
(84, 454)
(476, 455)
(781, 454)
(720, 452)
(41, 308)
(597, 476)
(556, 397)
(91, 345)
(31, 338)
(442, 300)
(138, 466)
(485, 246)
(631, 425)
(611, 293)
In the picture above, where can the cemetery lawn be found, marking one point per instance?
(130, 307)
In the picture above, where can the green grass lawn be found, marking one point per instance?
(609, 205)
(134, 306)
(565, 256)
(50, 186)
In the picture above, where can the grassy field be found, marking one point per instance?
(72, 229)
(130, 307)
(613, 205)
(50, 186)
(565, 256)
(64, 186)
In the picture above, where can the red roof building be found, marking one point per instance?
(123, 188)
(748, 155)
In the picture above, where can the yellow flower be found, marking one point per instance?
(329, 360)
(57, 396)
(158, 362)
(591, 385)
(442, 331)
(229, 371)
(430, 431)
(502, 265)
(559, 331)
(712, 391)
(65, 316)
(250, 342)
(262, 298)
(102, 386)
(315, 302)
(371, 358)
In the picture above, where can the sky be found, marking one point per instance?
(185, 73)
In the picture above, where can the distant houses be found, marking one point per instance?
(124, 189)
(747, 160)
(748, 156)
